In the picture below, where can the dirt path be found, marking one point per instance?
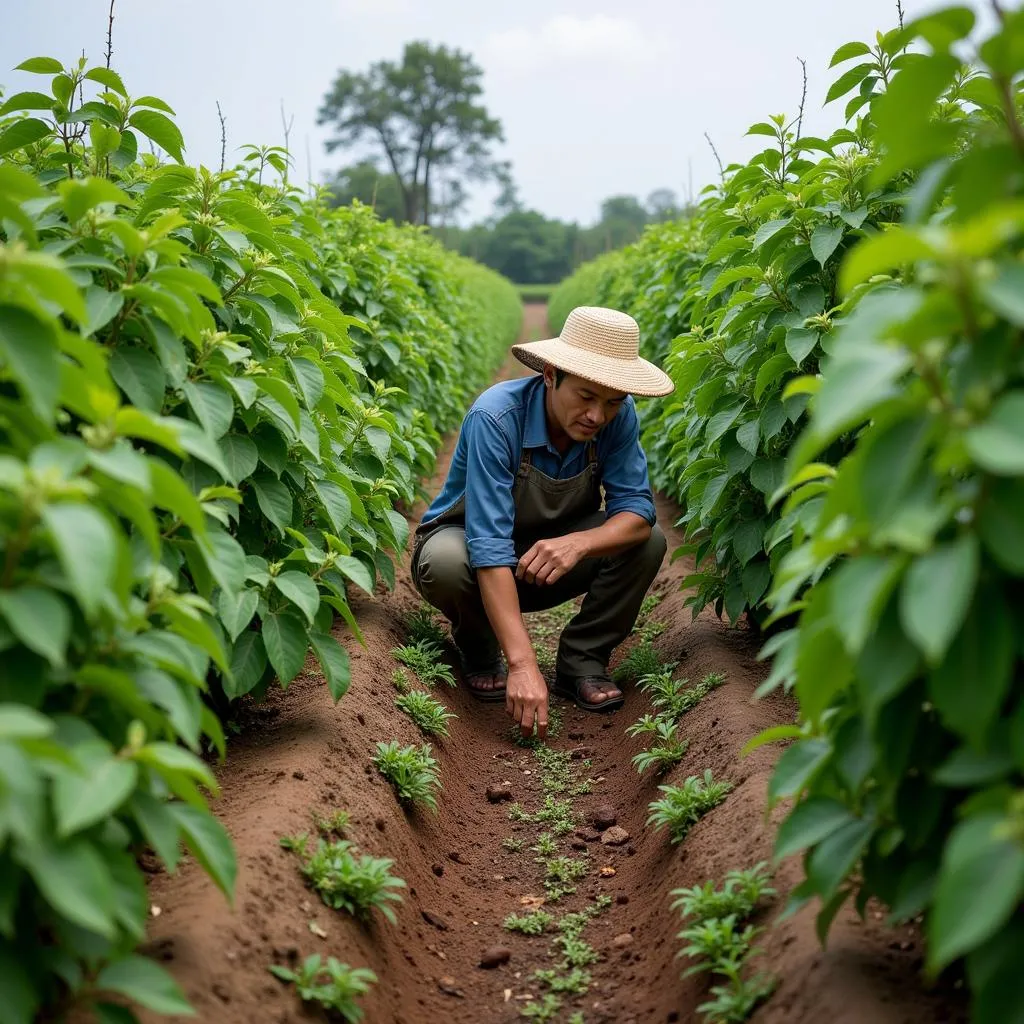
(301, 754)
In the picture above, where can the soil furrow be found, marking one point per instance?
(298, 754)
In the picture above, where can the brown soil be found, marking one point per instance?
(300, 753)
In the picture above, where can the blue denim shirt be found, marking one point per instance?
(504, 420)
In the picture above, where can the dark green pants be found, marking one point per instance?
(614, 586)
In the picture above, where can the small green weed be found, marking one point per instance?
(651, 630)
(334, 985)
(429, 714)
(735, 1001)
(424, 627)
(717, 945)
(411, 771)
(424, 658)
(358, 884)
(558, 815)
(739, 895)
(555, 720)
(533, 923)
(544, 1010)
(546, 846)
(642, 660)
(295, 844)
(576, 952)
(560, 873)
(683, 806)
(649, 603)
(334, 823)
(577, 1018)
(667, 752)
(576, 981)
(400, 680)
(513, 844)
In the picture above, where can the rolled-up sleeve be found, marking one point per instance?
(627, 487)
(490, 475)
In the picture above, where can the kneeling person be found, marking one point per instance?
(519, 524)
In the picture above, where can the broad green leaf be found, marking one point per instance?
(836, 856)
(309, 378)
(101, 307)
(1001, 525)
(241, 456)
(162, 130)
(795, 767)
(936, 593)
(86, 547)
(282, 394)
(248, 663)
(748, 435)
(23, 132)
(336, 502)
(980, 885)
(1005, 292)
(800, 343)
(41, 66)
(301, 591)
(213, 406)
(82, 195)
(859, 590)
(286, 640)
(882, 253)
(146, 983)
(236, 610)
(848, 51)
(140, 376)
(274, 499)
(83, 798)
(997, 444)
(848, 80)
(74, 880)
(210, 844)
(356, 571)
(17, 721)
(29, 348)
(809, 823)
(334, 661)
(825, 241)
(201, 445)
(40, 619)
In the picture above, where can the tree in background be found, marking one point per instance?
(366, 182)
(663, 204)
(424, 117)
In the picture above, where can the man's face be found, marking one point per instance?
(579, 407)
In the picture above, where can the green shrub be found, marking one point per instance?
(334, 985)
(212, 394)
(412, 771)
(683, 806)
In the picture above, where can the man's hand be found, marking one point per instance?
(550, 559)
(526, 699)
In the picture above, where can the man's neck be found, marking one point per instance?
(558, 437)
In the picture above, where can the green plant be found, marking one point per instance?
(575, 951)
(735, 1001)
(295, 844)
(412, 771)
(546, 846)
(665, 754)
(683, 806)
(575, 982)
(513, 844)
(334, 823)
(558, 815)
(674, 697)
(334, 985)
(535, 922)
(717, 944)
(429, 714)
(424, 658)
(424, 627)
(543, 1010)
(400, 680)
(738, 896)
(561, 872)
(642, 660)
(650, 631)
(577, 1018)
(358, 884)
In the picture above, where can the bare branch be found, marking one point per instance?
(999, 12)
(110, 34)
(721, 169)
(309, 168)
(286, 124)
(223, 137)
(803, 99)
(899, 11)
(81, 86)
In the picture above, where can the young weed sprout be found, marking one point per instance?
(429, 714)
(643, 660)
(411, 771)
(424, 658)
(425, 628)
(674, 697)
(739, 895)
(667, 752)
(683, 806)
(334, 823)
(358, 884)
(534, 923)
(334, 985)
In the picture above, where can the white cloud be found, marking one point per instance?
(598, 39)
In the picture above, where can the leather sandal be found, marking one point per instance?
(572, 688)
(472, 676)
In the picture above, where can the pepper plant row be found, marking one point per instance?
(213, 393)
(844, 319)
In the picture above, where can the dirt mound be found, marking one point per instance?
(301, 754)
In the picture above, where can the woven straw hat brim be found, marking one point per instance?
(633, 376)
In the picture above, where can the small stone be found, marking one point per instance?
(435, 919)
(576, 734)
(622, 899)
(499, 791)
(457, 857)
(450, 987)
(438, 869)
(615, 836)
(495, 956)
(581, 753)
(298, 775)
(622, 941)
(604, 817)
(588, 835)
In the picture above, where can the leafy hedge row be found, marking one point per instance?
(848, 444)
(213, 391)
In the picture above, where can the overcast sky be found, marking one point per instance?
(596, 98)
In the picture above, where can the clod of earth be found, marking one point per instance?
(435, 919)
(438, 869)
(615, 836)
(622, 941)
(581, 753)
(499, 791)
(495, 956)
(604, 817)
(450, 987)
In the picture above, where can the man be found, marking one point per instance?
(519, 524)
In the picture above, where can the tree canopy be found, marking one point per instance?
(423, 116)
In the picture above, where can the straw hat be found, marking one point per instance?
(600, 345)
